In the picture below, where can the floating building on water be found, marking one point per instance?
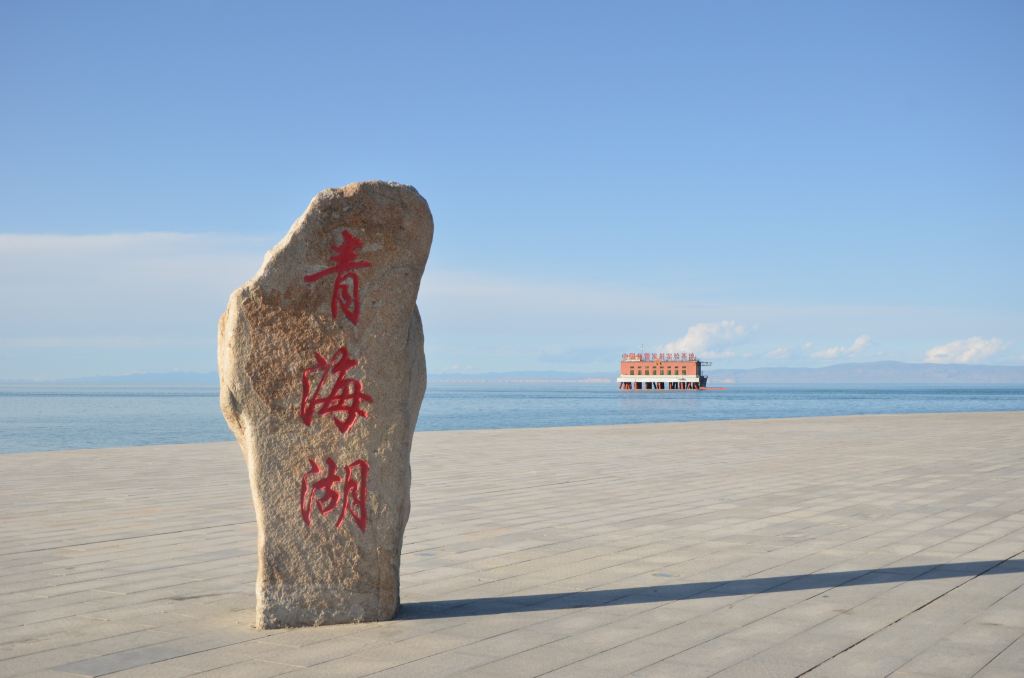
(640, 371)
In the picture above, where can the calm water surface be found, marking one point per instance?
(70, 417)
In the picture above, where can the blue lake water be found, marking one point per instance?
(66, 417)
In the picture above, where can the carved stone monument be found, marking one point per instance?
(322, 374)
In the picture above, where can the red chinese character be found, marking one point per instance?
(322, 491)
(355, 493)
(326, 498)
(346, 280)
(345, 397)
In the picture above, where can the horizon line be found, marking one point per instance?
(581, 373)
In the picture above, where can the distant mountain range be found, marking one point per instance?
(887, 372)
(147, 379)
(527, 376)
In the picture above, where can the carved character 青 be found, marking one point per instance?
(346, 278)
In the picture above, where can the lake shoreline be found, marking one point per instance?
(580, 427)
(87, 417)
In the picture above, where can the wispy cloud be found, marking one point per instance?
(710, 340)
(970, 350)
(74, 305)
(833, 352)
(87, 304)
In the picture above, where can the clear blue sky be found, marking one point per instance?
(790, 183)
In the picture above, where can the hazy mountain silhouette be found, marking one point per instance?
(880, 373)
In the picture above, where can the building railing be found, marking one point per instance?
(658, 357)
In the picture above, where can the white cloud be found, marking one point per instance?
(833, 352)
(970, 350)
(709, 340)
(777, 353)
(860, 343)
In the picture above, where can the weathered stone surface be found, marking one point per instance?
(322, 374)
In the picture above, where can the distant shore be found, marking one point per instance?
(875, 373)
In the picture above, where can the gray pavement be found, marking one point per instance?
(852, 546)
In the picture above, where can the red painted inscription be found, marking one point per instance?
(321, 492)
(345, 398)
(346, 279)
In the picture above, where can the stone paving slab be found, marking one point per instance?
(844, 546)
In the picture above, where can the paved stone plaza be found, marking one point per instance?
(853, 546)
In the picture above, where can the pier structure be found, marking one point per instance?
(661, 371)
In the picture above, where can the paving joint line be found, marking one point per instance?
(915, 610)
